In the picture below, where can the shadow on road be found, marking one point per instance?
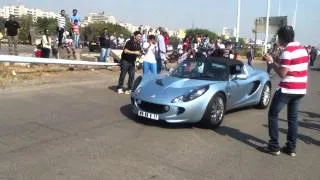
(240, 136)
(113, 88)
(306, 123)
(315, 69)
(126, 111)
(304, 138)
(310, 114)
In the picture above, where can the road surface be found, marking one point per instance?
(82, 129)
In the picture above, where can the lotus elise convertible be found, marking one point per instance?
(200, 90)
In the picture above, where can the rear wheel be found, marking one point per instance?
(265, 97)
(215, 111)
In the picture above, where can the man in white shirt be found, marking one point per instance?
(61, 26)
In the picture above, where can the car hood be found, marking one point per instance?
(169, 87)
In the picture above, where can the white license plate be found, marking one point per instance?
(148, 115)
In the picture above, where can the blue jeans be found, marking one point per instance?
(278, 103)
(76, 40)
(104, 54)
(149, 68)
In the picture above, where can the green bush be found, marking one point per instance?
(196, 32)
(96, 29)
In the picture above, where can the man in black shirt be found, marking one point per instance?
(12, 31)
(129, 55)
(105, 44)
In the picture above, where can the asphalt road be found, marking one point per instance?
(84, 130)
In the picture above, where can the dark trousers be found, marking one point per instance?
(278, 103)
(312, 60)
(126, 67)
(269, 68)
(250, 61)
(159, 65)
(46, 52)
(60, 32)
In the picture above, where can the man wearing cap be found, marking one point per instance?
(11, 31)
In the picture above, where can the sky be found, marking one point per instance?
(180, 14)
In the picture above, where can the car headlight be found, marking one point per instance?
(194, 94)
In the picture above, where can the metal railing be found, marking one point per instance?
(34, 60)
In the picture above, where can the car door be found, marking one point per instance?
(239, 87)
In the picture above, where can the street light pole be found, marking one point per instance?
(267, 28)
(295, 15)
(279, 7)
(238, 21)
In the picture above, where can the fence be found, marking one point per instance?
(34, 60)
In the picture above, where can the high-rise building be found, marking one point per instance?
(19, 10)
(99, 17)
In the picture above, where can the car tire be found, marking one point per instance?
(265, 97)
(215, 111)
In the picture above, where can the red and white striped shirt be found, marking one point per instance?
(295, 58)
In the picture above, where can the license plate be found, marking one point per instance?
(148, 115)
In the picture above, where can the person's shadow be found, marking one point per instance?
(310, 114)
(306, 123)
(240, 136)
(304, 138)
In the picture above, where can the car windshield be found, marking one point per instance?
(202, 70)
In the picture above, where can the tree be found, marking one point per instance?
(46, 23)
(196, 32)
(26, 22)
(96, 29)
(174, 41)
(2, 23)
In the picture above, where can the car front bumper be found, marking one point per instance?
(191, 112)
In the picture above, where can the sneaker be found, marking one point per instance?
(128, 92)
(290, 152)
(266, 149)
(120, 91)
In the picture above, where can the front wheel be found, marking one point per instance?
(265, 97)
(215, 111)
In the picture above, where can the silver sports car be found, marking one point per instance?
(200, 90)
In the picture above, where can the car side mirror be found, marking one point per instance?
(241, 76)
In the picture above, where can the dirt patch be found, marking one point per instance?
(13, 75)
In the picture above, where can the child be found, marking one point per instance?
(70, 47)
(38, 49)
(76, 33)
(149, 60)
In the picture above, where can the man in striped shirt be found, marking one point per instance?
(293, 69)
(61, 26)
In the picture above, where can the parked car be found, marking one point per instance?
(200, 90)
(94, 45)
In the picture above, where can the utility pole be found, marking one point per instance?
(295, 15)
(267, 28)
(238, 21)
(279, 7)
